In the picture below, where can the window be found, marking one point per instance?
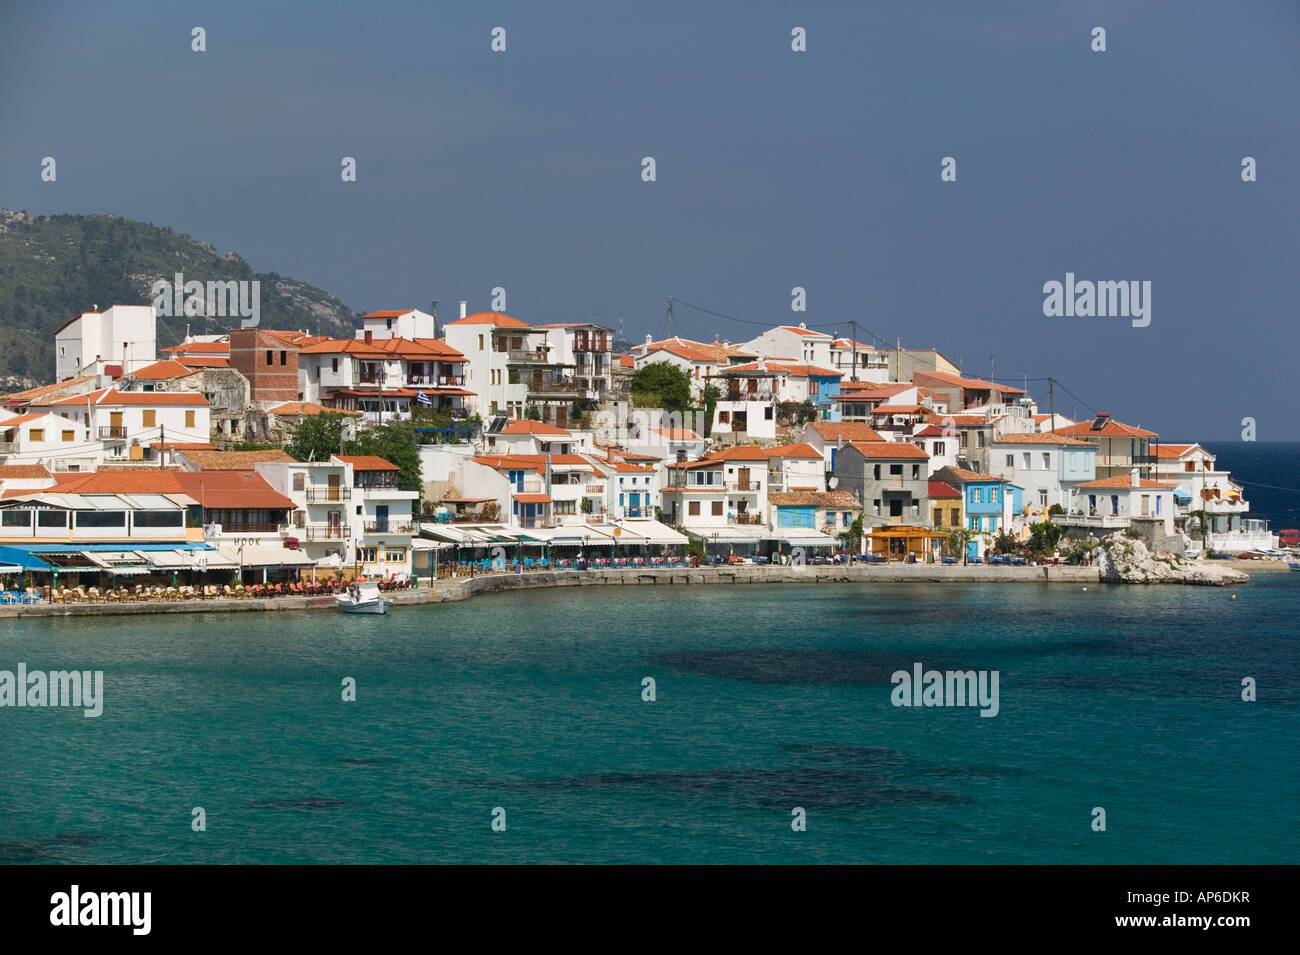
(1158, 497)
(973, 523)
(36, 434)
(1047, 460)
(938, 447)
(724, 417)
(564, 507)
(334, 365)
(150, 418)
(963, 440)
(938, 517)
(717, 508)
(993, 495)
(268, 356)
(1011, 460)
(189, 419)
(1189, 466)
(767, 413)
(158, 519)
(395, 555)
(51, 518)
(693, 508)
(15, 518)
(977, 495)
(299, 481)
(480, 343)
(916, 508)
(388, 323)
(282, 357)
(101, 519)
(979, 438)
(993, 523)
(1042, 496)
(848, 518)
(876, 472)
(367, 555)
(916, 472)
(875, 505)
(67, 436)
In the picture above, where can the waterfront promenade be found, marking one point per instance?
(462, 588)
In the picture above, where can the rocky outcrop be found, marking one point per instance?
(1126, 560)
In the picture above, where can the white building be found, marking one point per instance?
(408, 323)
(794, 343)
(125, 424)
(114, 342)
(1202, 487)
(491, 343)
(700, 360)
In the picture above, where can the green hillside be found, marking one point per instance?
(53, 268)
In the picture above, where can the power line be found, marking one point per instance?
(768, 324)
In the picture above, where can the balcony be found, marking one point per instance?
(8, 447)
(321, 493)
(594, 489)
(747, 519)
(1100, 521)
(745, 487)
(388, 527)
(323, 532)
(525, 354)
(249, 527)
(553, 387)
(759, 394)
(638, 510)
(112, 431)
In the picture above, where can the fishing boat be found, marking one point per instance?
(1294, 565)
(363, 597)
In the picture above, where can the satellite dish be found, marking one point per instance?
(833, 483)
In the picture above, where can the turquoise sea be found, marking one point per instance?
(767, 698)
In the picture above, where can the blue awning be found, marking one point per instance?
(22, 558)
(1180, 496)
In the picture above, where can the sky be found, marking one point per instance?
(774, 169)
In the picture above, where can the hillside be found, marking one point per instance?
(53, 268)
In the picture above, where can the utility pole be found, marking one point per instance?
(670, 318)
(1051, 397)
(162, 444)
(855, 350)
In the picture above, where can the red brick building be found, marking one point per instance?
(269, 360)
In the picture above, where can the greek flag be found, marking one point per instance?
(422, 399)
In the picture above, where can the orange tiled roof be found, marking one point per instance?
(525, 426)
(110, 397)
(1041, 437)
(368, 462)
(799, 450)
(1112, 429)
(888, 450)
(290, 408)
(234, 460)
(23, 472)
(163, 370)
(811, 499)
(1125, 480)
(498, 319)
(848, 430)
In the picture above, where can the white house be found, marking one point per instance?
(113, 342)
(125, 424)
(794, 343)
(410, 323)
(700, 360)
(1045, 465)
(1115, 502)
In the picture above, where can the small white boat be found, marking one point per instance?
(363, 597)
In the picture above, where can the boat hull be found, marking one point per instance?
(365, 606)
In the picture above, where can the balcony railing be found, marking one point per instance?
(748, 487)
(112, 431)
(638, 510)
(7, 446)
(525, 354)
(318, 493)
(595, 489)
(761, 394)
(744, 519)
(252, 527)
(323, 532)
(387, 527)
(553, 387)
(1091, 520)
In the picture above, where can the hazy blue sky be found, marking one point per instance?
(775, 169)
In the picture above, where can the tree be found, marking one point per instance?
(711, 396)
(1044, 537)
(316, 437)
(533, 413)
(1005, 543)
(958, 538)
(661, 385)
(395, 443)
(854, 535)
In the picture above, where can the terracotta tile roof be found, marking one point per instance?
(182, 446)
(162, 371)
(837, 499)
(212, 489)
(848, 343)
(23, 472)
(846, 430)
(626, 361)
(966, 476)
(233, 460)
(190, 349)
(799, 450)
(499, 319)
(808, 332)
(930, 431)
(789, 369)
(975, 383)
(532, 499)
(39, 391)
(388, 313)
(367, 462)
(291, 408)
(1041, 437)
(741, 452)
(677, 434)
(959, 420)
(942, 490)
(900, 409)
(1124, 480)
(22, 419)
(888, 450)
(1175, 450)
(531, 462)
(1112, 429)
(524, 426)
(109, 397)
(196, 362)
(716, 352)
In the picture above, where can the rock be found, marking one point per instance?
(1129, 561)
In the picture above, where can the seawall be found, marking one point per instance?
(462, 588)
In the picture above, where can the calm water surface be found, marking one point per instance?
(769, 698)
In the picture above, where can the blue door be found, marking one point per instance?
(972, 549)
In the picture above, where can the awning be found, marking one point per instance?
(265, 555)
(532, 499)
(803, 537)
(652, 532)
(732, 533)
(166, 559)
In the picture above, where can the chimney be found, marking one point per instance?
(649, 339)
(1137, 481)
(463, 307)
(370, 336)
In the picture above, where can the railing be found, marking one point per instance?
(638, 510)
(323, 532)
(253, 527)
(595, 489)
(376, 485)
(514, 354)
(762, 394)
(112, 431)
(7, 446)
(553, 387)
(1091, 520)
(317, 493)
(451, 380)
(369, 379)
(595, 518)
(749, 487)
(744, 519)
(387, 527)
